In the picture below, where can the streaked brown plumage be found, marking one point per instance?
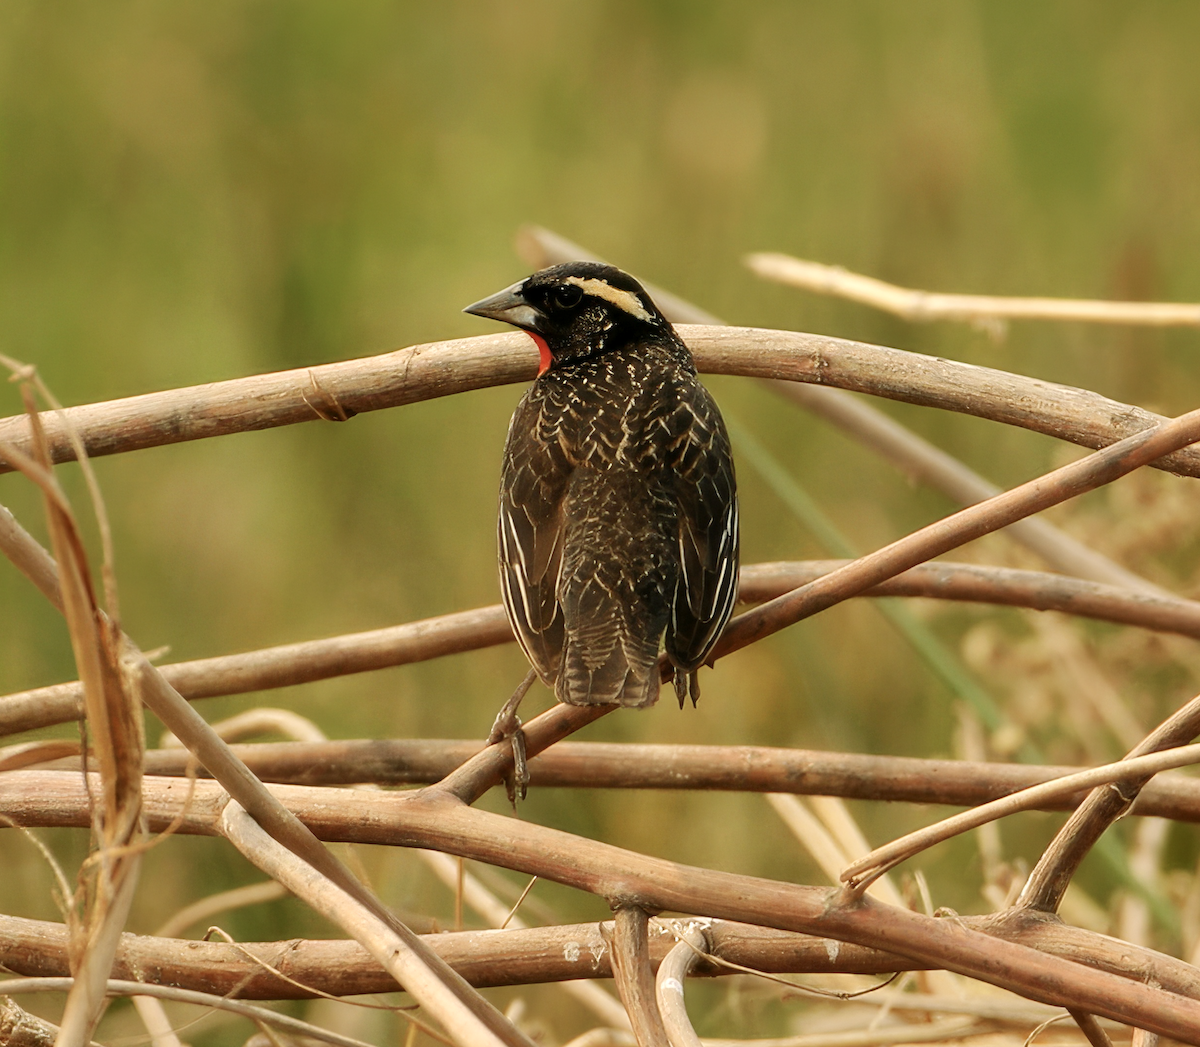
(618, 523)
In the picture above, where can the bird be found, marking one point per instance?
(618, 523)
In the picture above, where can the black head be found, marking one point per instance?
(576, 310)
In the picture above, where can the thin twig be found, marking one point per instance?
(862, 872)
(926, 305)
(958, 529)
(1048, 881)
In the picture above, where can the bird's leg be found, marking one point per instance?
(508, 725)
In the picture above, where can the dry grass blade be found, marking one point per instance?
(925, 305)
(862, 872)
(109, 876)
(241, 784)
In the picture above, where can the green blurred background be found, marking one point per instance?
(196, 191)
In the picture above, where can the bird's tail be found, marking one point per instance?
(585, 679)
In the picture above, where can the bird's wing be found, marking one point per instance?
(706, 489)
(532, 485)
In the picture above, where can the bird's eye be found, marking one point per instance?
(566, 297)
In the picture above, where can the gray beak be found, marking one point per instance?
(509, 307)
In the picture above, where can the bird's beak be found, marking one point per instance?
(510, 307)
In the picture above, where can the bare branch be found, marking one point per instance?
(958, 529)
(737, 768)
(926, 305)
(311, 660)
(116, 987)
(635, 976)
(441, 368)
(668, 986)
(862, 872)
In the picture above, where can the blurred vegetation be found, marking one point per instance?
(195, 191)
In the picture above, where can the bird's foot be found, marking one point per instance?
(507, 725)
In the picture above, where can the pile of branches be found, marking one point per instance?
(279, 804)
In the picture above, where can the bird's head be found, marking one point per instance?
(575, 310)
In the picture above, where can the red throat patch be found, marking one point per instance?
(545, 359)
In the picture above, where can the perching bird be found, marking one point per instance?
(618, 524)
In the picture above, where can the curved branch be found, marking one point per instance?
(338, 391)
(1048, 881)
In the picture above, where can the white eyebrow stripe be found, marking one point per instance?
(626, 300)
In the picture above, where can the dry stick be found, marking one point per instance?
(438, 821)
(736, 768)
(442, 368)
(635, 976)
(958, 529)
(522, 956)
(918, 459)
(313, 660)
(542, 954)
(215, 755)
(326, 898)
(668, 986)
(1090, 1027)
(119, 987)
(1048, 881)
(864, 871)
(915, 456)
(925, 305)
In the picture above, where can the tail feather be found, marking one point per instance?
(612, 682)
